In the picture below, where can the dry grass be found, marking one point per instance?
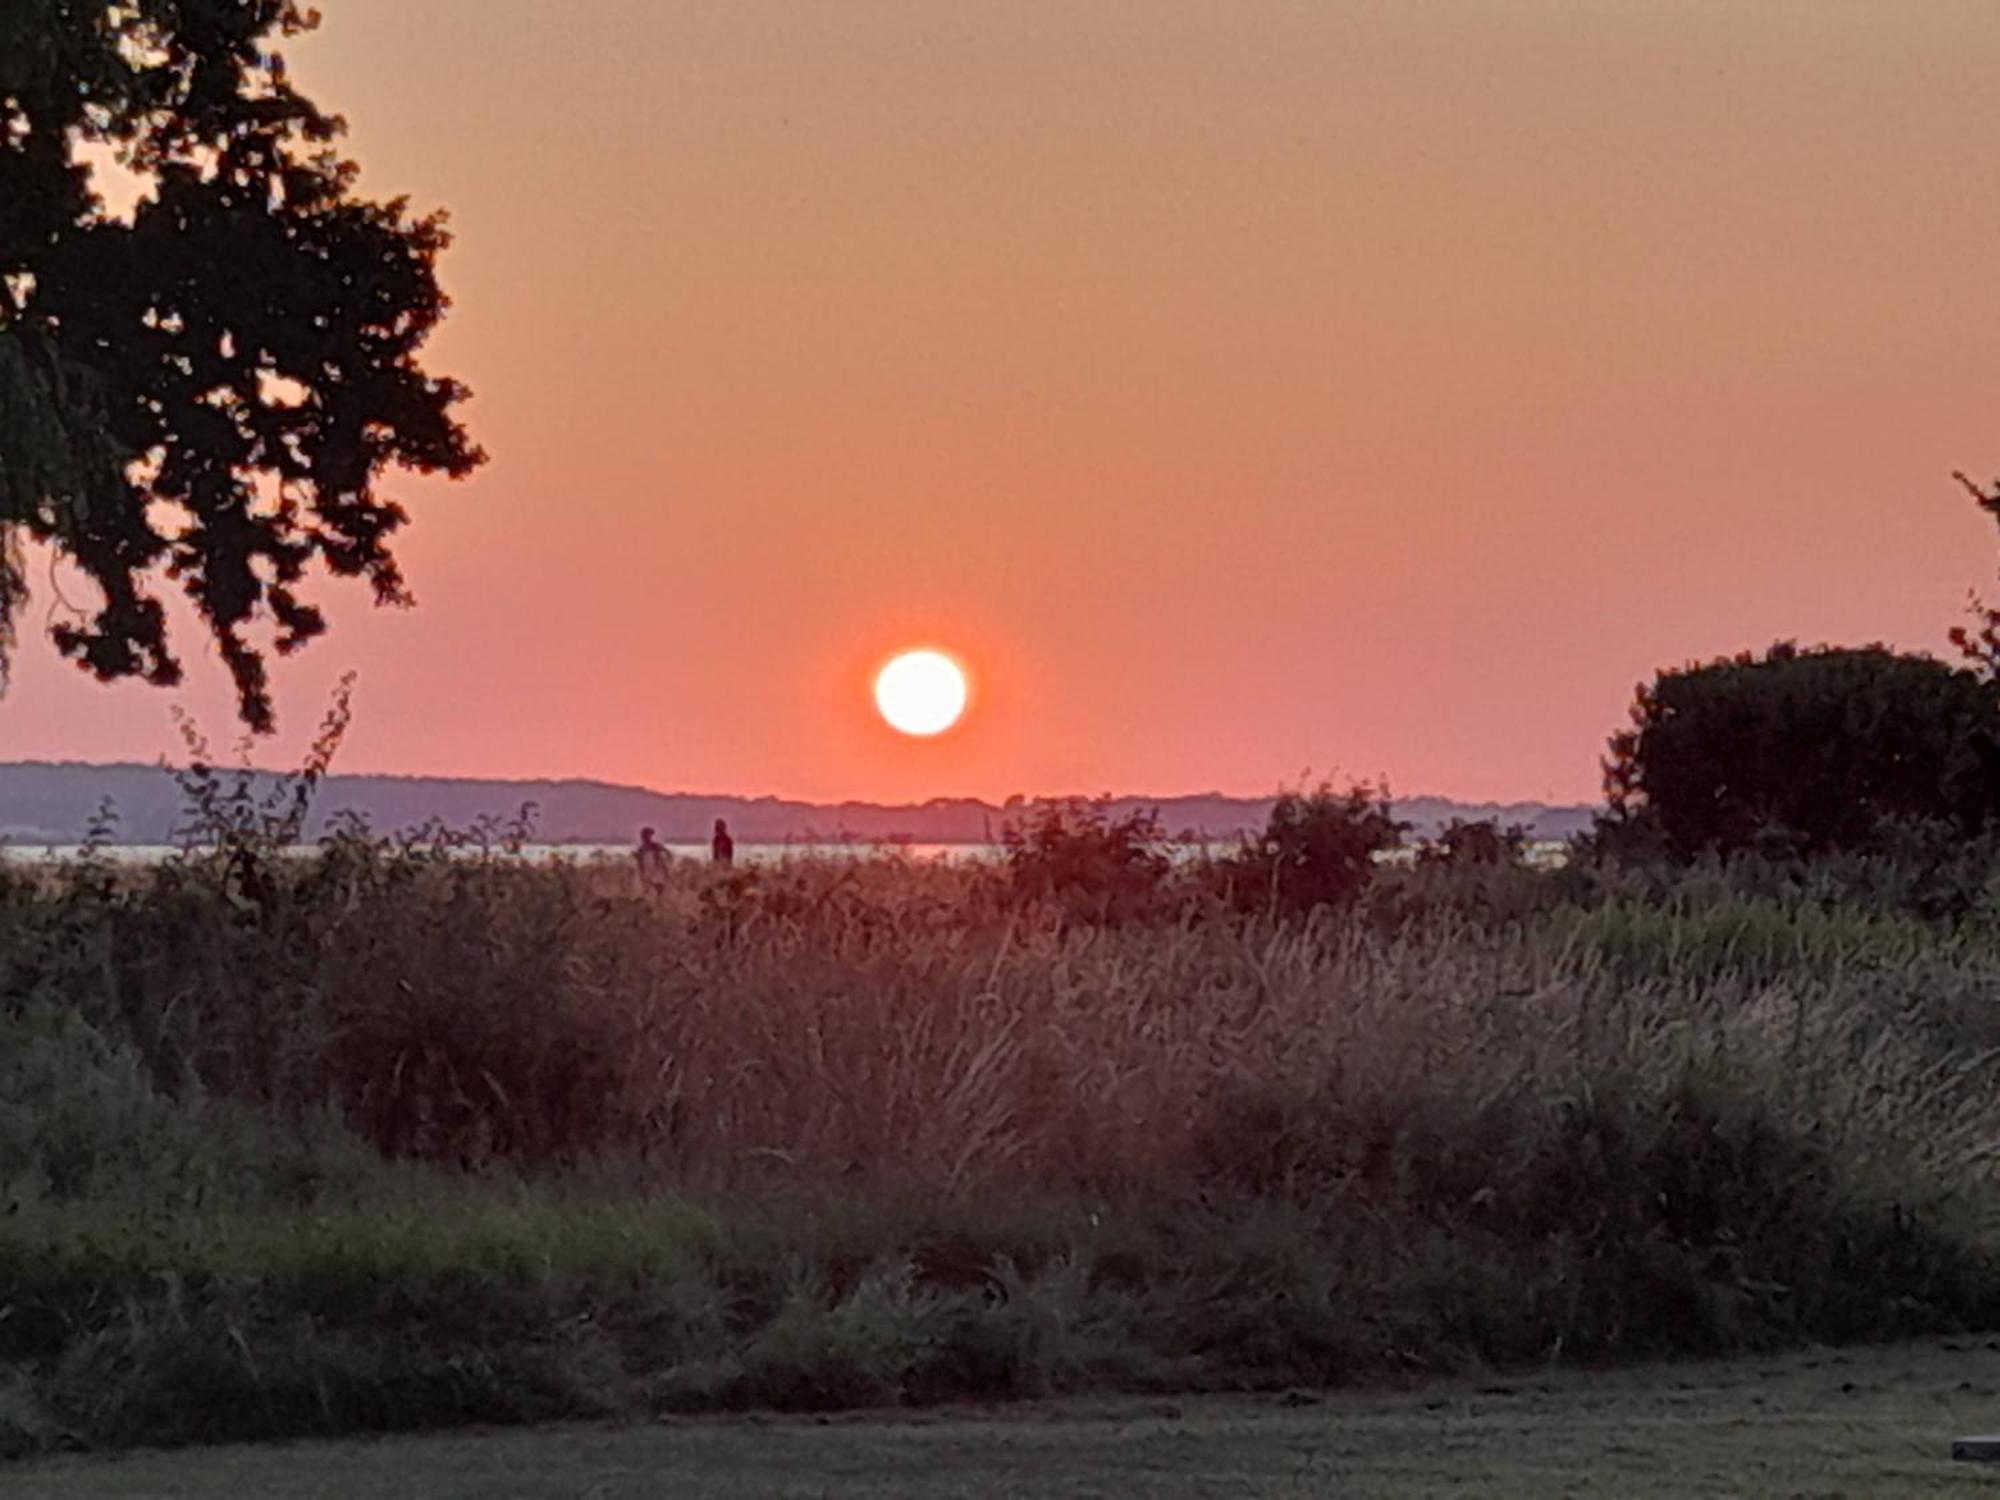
(517, 1141)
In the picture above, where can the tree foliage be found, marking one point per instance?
(1075, 852)
(1477, 842)
(1805, 751)
(1318, 846)
(209, 389)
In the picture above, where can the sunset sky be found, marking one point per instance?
(1240, 389)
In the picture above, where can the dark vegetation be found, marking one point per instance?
(208, 389)
(412, 1131)
(1798, 753)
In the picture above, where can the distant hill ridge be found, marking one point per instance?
(43, 802)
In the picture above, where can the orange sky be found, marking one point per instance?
(1241, 388)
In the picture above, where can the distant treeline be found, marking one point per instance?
(54, 803)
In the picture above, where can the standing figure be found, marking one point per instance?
(651, 857)
(722, 846)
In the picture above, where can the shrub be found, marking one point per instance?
(1317, 849)
(1474, 843)
(1803, 752)
(1074, 853)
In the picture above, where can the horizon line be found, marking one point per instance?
(1393, 796)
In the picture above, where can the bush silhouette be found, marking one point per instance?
(1804, 752)
(1318, 848)
(1075, 853)
(1478, 842)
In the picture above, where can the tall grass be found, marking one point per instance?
(403, 1133)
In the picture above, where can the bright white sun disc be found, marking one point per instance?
(921, 692)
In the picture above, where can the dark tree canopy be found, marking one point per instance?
(1807, 751)
(209, 391)
(1318, 847)
(1471, 843)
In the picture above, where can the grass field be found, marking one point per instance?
(1874, 1423)
(398, 1138)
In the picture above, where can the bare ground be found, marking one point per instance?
(1874, 1423)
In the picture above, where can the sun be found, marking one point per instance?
(921, 692)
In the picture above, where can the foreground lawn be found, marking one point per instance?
(1876, 1423)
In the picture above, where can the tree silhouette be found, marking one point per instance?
(208, 390)
(1805, 751)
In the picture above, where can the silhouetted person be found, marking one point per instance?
(722, 846)
(651, 857)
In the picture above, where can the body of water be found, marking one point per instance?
(746, 854)
(1544, 855)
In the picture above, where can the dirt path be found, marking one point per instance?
(1861, 1423)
